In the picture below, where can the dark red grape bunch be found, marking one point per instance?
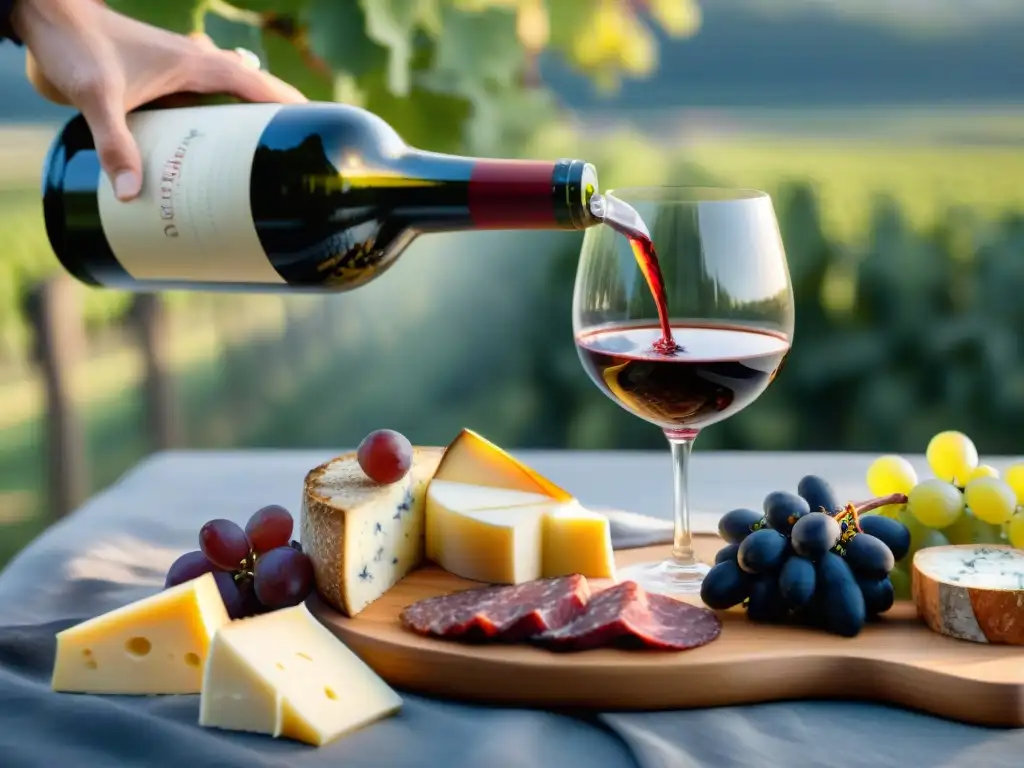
(257, 569)
(385, 456)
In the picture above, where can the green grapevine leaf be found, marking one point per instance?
(276, 7)
(475, 6)
(183, 16)
(228, 34)
(392, 23)
(504, 122)
(285, 60)
(477, 48)
(425, 119)
(337, 34)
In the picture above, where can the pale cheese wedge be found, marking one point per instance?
(508, 537)
(577, 540)
(497, 546)
(152, 646)
(485, 534)
(448, 500)
(363, 537)
(284, 674)
(474, 460)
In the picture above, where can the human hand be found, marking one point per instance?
(105, 64)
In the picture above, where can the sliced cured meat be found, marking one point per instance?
(605, 620)
(626, 615)
(678, 626)
(553, 604)
(508, 613)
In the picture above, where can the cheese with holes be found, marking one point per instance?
(285, 675)
(577, 540)
(363, 536)
(474, 460)
(971, 592)
(155, 645)
(485, 534)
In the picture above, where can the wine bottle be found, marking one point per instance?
(318, 197)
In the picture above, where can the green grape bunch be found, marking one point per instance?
(448, 75)
(965, 502)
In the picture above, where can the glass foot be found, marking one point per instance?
(666, 577)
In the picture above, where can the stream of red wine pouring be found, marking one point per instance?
(624, 219)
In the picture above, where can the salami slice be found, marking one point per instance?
(626, 615)
(605, 620)
(508, 613)
(678, 626)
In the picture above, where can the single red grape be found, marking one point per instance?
(224, 543)
(231, 594)
(189, 566)
(282, 577)
(385, 456)
(269, 528)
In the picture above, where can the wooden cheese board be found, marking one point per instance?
(896, 660)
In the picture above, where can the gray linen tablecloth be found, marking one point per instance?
(118, 546)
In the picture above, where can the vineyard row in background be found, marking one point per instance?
(906, 308)
(913, 332)
(928, 180)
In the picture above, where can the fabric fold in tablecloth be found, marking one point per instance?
(632, 531)
(118, 547)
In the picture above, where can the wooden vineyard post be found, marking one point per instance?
(151, 322)
(54, 310)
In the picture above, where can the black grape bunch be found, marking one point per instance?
(808, 559)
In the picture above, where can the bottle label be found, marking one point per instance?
(193, 220)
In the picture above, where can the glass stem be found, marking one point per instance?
(682, 540)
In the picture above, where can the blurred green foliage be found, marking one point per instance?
(446, 74)
(908, 308)
(907, 333)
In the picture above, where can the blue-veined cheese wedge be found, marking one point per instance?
(361, 536)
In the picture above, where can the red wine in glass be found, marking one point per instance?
(723, 369)
(624, 219)
(727, 339)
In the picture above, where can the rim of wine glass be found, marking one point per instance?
(687, 194)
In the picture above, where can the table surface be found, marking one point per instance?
(117, 547)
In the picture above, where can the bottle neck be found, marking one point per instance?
(483, 193)
(521, 194)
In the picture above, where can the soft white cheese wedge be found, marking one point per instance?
(485, 534)
(283, 674)
(508, 537)
(448, 500)
(971, 592)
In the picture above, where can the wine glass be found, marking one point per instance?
(730, 310)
